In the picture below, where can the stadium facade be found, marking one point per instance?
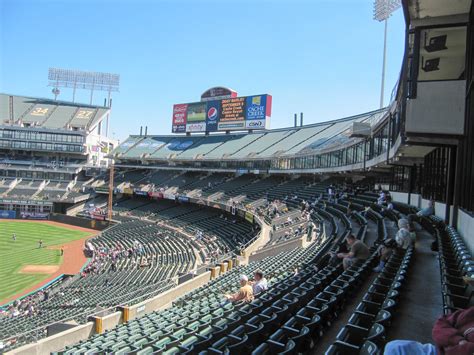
(48, 150)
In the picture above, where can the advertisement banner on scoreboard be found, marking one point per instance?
(255, 124)
(196, 127)
(255, 108)
(213, 115)
(179, 118)
(227, 114)
(231, 125)
(233, 109)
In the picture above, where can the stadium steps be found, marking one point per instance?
(419, 309)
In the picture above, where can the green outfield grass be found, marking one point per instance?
(24, 251)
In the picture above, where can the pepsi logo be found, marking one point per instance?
(212, 114)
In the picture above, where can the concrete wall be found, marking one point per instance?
(399, 197)
(109, 321)
(58, 341)
(164, 299)
(290, 245)
(465, 224)
(435, 101)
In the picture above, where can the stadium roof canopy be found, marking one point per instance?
(258, 145)
(46, 113)
(420, 9)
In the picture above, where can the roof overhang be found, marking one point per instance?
(423, 9)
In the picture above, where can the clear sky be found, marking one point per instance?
(320, 57)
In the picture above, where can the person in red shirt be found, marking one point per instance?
(453, 334)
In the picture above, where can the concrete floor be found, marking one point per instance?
(421, 301)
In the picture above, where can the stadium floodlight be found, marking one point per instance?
(383, 9)
(77, 79)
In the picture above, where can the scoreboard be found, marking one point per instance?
(227, 114)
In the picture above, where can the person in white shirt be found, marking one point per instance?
(403, 237)
(260, 283)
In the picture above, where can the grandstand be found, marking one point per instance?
(192, 213)
(49, 149)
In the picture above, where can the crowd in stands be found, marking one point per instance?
(104, 255)
(26, 307)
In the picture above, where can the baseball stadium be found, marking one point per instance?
(346, 236)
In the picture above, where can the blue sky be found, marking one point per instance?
(320, 57)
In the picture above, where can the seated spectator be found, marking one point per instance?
(452, 334)
(407, 224)
(384, 252)
(403, 236)
(245, 293)
(381, 198)
(260, 283)
(357, 251)
(427, 211)
(389, 206)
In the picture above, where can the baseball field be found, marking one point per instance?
(24, 265)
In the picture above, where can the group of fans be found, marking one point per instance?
(103, 256)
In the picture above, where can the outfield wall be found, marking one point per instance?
(79, 222)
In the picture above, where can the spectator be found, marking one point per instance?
(260, 283)
(381, 198)
(384, 252)
(389, 203)
(452, 334)
(245, 293)
(403, 237)
(358, 251)
(427, 211)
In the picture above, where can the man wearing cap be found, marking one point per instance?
(245, 293)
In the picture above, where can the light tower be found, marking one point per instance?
(78, 79)
(383, 9)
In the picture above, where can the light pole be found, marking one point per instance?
(383, 9)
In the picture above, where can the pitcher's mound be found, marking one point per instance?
(39, 269)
